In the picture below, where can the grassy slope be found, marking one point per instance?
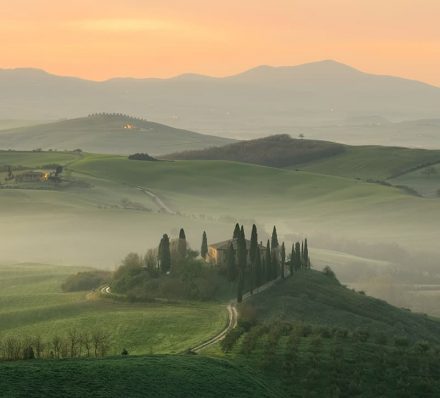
(35, 159)
(161, 376)
(317, 299)
(31, 303)
(425, 181)
(373, 162)
(105, 134)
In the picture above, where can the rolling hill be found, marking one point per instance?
(106, 133)
(317, 299)
(315, 337)
(319, 99)
(275, 151)
(365, 162)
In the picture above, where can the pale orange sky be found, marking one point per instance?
(161, 38)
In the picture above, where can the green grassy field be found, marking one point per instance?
(372, 162)
(426, 181)
(154, 376)
(36, 159)
(32, 303)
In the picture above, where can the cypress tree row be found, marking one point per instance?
(165, 254)
(283, 259)
(204, 248)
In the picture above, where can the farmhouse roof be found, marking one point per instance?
(224, 245)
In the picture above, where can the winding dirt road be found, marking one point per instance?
(159, 202)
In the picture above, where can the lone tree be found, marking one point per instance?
(165, 254)
(182, 245)
(283, 259)
(297, 258)
(204, 248)
(292, 259)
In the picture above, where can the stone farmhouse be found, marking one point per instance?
(217, 252)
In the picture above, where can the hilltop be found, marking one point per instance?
(275, 151)
(107, 133)
(316, 99)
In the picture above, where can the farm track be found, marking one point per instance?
(159, 202)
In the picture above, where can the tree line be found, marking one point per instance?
(74, 344)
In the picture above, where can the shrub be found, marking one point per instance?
(142, 156)
(85, 281)
(231, 339)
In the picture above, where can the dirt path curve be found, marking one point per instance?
(159, 202)
(233, 318)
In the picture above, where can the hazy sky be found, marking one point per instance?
(98, 39)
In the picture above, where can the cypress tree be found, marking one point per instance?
(253, 250)
(204, 248)
(242, 257)
(297, 256)
(236, 234)
(283, 259)
(258, 269)
(274, 242)
(165, 254)
(268, 263)
(302, 254)
(306, 255)
(181, 246)
(231, 265)
(292, 259)
(275, 266)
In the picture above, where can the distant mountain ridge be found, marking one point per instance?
(261, 101)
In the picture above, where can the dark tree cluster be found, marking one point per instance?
(142, 156)
(253, 265)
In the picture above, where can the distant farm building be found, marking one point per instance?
(33, 176)
(129, 126)
(217, 252)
